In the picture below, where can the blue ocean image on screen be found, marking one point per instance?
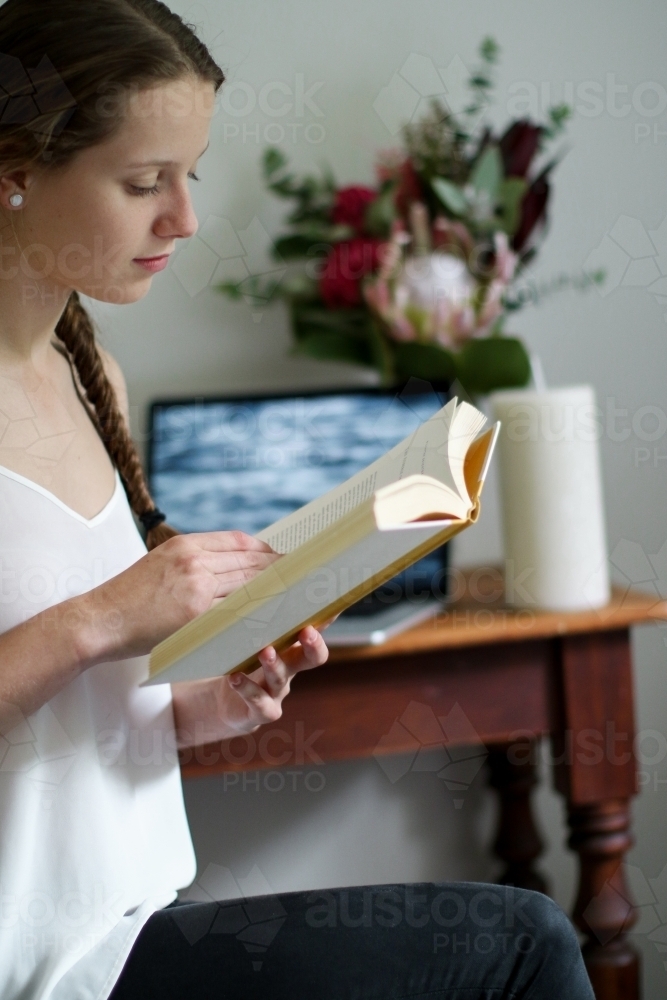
(243, 465)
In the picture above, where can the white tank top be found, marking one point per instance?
(93, 831)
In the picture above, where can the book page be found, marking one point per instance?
(478, 459)
(429, 450)
(466, 425)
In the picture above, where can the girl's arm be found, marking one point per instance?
(222, 707)
(132, 612)
(124, 617)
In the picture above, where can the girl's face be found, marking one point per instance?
(86, 226)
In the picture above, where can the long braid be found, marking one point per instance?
(75, 329)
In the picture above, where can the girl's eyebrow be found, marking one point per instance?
(165, 163)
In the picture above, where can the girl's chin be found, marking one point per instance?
(117, 294)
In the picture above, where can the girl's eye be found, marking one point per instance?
(144, 191)
(155, 189)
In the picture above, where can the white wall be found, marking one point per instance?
(179, 341)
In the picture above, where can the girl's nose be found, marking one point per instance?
(179, 219)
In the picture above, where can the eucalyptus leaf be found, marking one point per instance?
(273, 161)
(299, 286)
(257, 289)
(451, 196)
(380, 214)
(488, 172)
(510, 196)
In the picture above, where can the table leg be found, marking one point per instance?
(518, 844)
(603, 911)
(595, 769)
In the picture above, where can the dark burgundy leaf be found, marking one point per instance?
(409, 189)
(518, 146)
(533, 211)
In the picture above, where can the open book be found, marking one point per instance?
(342, 546)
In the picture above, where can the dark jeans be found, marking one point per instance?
(433, 940)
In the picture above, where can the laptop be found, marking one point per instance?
(217, 464)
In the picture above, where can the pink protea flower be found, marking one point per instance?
(492, 306)
(506, 259)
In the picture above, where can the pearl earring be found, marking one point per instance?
(16, 200)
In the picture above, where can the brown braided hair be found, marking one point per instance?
(75, 330)
(98, 49)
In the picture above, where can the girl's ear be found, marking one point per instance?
(14, 182)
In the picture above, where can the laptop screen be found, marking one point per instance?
(222, 464)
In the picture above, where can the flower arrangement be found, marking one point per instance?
(416, 276)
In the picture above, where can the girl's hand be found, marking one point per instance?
(251, 700)
(223, 707)
(175, 582)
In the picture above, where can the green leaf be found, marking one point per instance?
(318, 232)
(510, 196)
(308, 319)
(489, 50)
(488, 172)
(231, 289)
(300, 286)
(289, 247)
(558, 115)
(493, 363)
(273, 161)
(336, 347)
(260, 291)
(427, 361)
(380, 214)
(308, 239)
(451, 196)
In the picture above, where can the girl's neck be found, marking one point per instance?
(29, 314)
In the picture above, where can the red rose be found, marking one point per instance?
(348, 262)
(350, 206)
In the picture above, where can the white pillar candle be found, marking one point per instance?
(551, 486)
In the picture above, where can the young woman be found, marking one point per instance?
(105, 109)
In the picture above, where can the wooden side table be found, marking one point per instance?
(503, 679)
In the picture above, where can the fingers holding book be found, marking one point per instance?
(264, 689)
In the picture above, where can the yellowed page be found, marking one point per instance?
(436, 448)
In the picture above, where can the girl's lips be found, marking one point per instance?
(153, 263)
